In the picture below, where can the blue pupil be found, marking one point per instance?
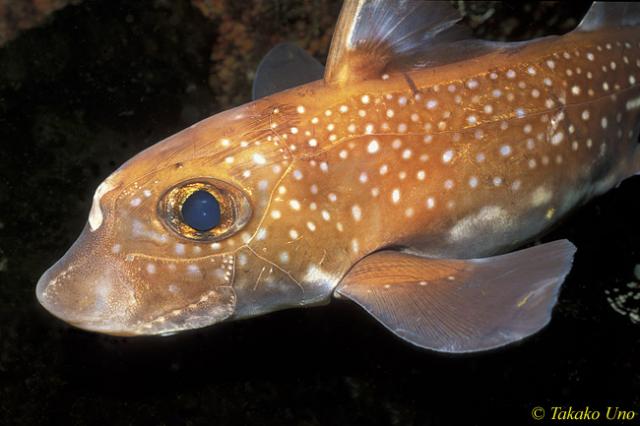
(201, 211)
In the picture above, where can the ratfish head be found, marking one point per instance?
(167, 246)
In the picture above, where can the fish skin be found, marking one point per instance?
(333, 195)
(533, 177)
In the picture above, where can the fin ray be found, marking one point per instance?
(453, 305)
(609, 14)
(377, 36)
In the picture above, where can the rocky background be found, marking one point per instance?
(86, 87)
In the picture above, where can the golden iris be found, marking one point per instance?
(235, 210)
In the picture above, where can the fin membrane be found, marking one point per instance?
(373, 37)
(461, 305)
(284, 67)
(604, 14)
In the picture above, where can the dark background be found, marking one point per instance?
(94, 83)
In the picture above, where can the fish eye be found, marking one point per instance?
(205, 209)
(201, 211)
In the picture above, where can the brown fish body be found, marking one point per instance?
(379, 183)
(500, 145)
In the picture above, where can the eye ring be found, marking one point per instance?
(235, 210)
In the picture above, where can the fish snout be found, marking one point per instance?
(86, 296)
(118, 292)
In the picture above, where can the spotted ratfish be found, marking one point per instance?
(396, 178)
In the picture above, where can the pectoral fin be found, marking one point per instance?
(461, 305)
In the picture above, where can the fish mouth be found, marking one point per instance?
(110, 306)
(98, 291)
(83, 303)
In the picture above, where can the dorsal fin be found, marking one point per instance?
(284, 67)
(610, 14)
(373, 37)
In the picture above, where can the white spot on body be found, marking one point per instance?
(540, 196)
(431, 202)
(295, 204)
(356, 212)
(259, 159)
(633, 104)
(395, 196)
(373, 146)
(193, 269)
(557, 138)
